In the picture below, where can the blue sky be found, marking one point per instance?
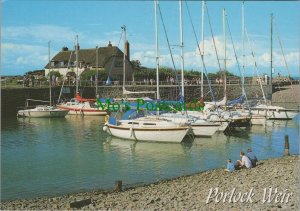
(27, 26)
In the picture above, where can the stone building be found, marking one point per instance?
(110, 59)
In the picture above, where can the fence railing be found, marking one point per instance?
(88, 83)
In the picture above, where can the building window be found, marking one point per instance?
(52, 64)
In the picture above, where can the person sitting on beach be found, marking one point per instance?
(252, 157)
(230, 166)
(245, 162)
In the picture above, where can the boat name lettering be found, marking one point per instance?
(141, 104)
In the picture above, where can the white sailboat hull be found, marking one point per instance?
(258, 119)
(284, 115)
(87, 112)
(83, 110)
(41, 114)
(169, 135)
(213, 119)
(275, 112)
(204, 130)
(200, 127)
(223, 126)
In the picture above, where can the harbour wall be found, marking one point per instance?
(13, 99)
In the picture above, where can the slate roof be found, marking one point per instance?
(86, 56)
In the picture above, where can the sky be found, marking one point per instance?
(27, 27)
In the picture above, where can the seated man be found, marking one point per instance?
(245, 162)
(252, 157)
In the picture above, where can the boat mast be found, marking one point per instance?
(76, 48)
(181, 48)
(271, 60)
(124, 57)
(156, 50)
(50, 76)
(243, 49)
(203, 2)
(225, 79)
(96, 79)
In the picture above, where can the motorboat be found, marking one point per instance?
(43, 111)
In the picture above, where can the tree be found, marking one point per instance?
(56, 73)
(136, 64)
(87, 74)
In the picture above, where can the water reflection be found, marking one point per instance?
(150, 149)
(42, 157)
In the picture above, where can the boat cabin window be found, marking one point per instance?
(149, 124)
(73, 101)
(135, 123)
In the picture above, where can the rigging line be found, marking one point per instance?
(69, 63)
(162, 20)
(212, 34)
(114, 56)
(255, 64)
(285, 62)
(238, 64)
(204, 66)
(280, 43)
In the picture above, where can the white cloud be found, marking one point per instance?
(40, 33)
(193, 59)
(17, 59)
(33, 54)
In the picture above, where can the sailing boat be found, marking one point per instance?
(237, 118)
(79, 105)
(148, 128)
(43, 110)
(275, 112)
(217, 115)
(199, 126)
(126, 92)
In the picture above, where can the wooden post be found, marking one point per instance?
(118, 185)
(286, 145)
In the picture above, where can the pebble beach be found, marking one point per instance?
(271, 185)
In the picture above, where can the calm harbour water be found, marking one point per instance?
(49, 157)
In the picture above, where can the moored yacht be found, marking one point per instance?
(42, 111)
(200, 127)
(147, 129)
(275, 112)
(82, 106)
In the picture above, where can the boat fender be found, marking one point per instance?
(106, 118)
(131, 132)
(105, 128)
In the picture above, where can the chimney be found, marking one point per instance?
(127, 50)
(109, 44)
(65, 48)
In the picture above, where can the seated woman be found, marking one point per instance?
(244, 163)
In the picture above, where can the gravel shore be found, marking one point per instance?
(273, 180)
